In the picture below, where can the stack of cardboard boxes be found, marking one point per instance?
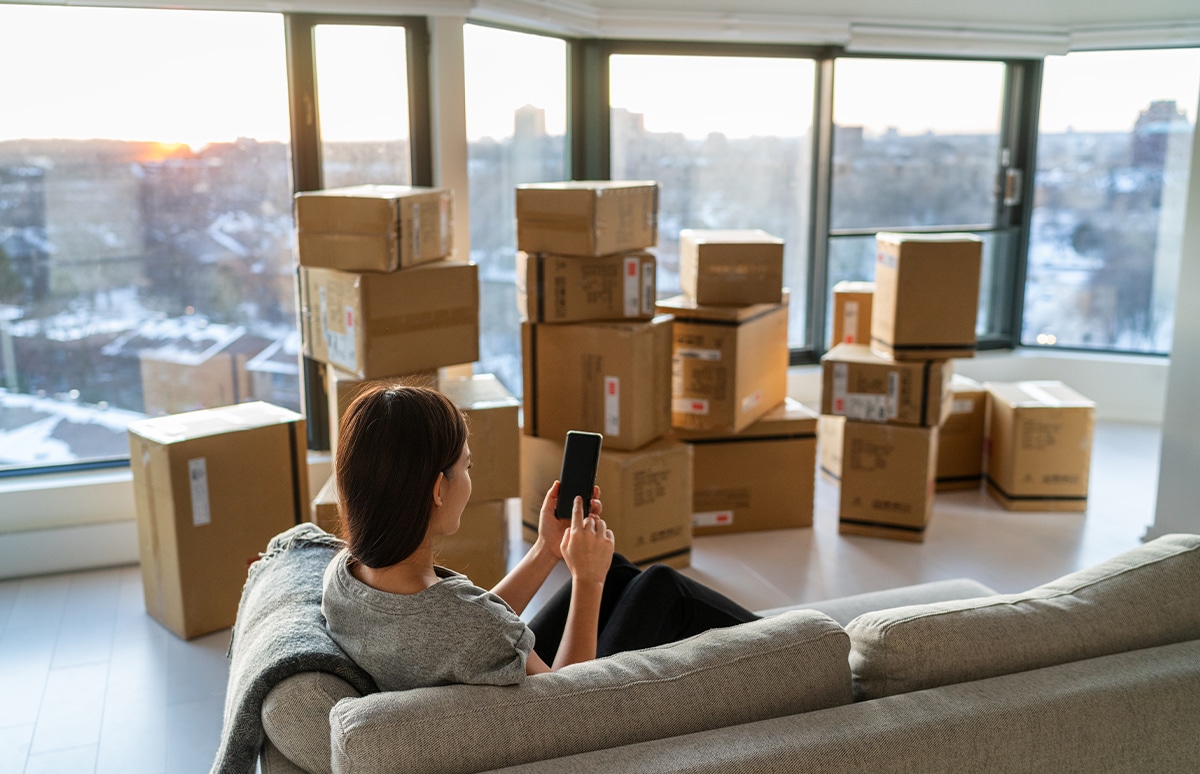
(754, 449)
(597, 357)
(381, 300)
(891, 397)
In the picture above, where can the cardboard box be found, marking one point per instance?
(342, 388)
(479, 549)
(761, 478)
(611, 377)
(211, 489)
(375, 325)
(493, 419)
(830, 434)
(374, 227)
(926, 295)
(559, 289)
(864, 386)
(887, 480)
(852, 312)
(729, 363)
(325, 512)
(731, 266)
(580, 217)
(1039, 445)
(960, 439)
(647, 496)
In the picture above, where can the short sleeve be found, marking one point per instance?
(495, 645)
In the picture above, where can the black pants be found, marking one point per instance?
(640, 609)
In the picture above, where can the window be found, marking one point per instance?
(729, 139)
(516, 89)
(1111, 188)
(145, 223)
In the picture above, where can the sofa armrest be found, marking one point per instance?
(295, 717)
(846, 609)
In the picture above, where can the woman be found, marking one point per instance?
(403, 479)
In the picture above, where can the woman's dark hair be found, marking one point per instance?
(393, 442)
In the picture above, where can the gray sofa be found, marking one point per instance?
(1096, 671)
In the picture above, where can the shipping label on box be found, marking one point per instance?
(729, 364)
(1039, 445)
(378, 325)
(211, 488)
(852, 312)
(887, 480)
(587, 217)
(960, 440)
(830, 433)
(558, 289)
(864, 386)
(479, 549)
(926, 295)
(611, 378)
(373, 227)
(647, 495)
(731, 266)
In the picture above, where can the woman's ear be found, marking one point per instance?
(437, 489)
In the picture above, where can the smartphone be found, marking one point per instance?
(581, 455)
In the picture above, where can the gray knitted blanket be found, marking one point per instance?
(280, 631)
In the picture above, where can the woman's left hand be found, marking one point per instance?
(551, 528)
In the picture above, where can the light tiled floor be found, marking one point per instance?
(89, 683)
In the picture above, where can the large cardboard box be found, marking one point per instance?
(761, 478)
(862, 385)
(887, 480)
(211, 488)
(728, 364)
(830, 439)
(926, 295)
(852, 312)
(1039, 445)
(561, 289)
(731, 266)
(960, 440)
(325, 512)
(587, 217)
(611, 377)
(493, 419)
(479, 549)
(647, 496)
(375, 325)
(374, 227)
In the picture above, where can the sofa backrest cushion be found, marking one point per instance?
(791, 663)
(1146, 597)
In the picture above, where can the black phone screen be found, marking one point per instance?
(581, 455)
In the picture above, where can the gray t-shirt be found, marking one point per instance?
(452, 632)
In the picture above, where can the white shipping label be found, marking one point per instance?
(198, 479)
(841, 374)
(866, 408)
(612, 405)
(849, 322)
(893, 395)
(339, 346)
(633, 286)
(712, 519)
(752, 401)
(648, 288)
(696, 353)
(697, 406)
(962, 406)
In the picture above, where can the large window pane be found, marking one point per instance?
(1114, 150)
(362, 93)
(516, 86)
(916, 142)
(145, 223)
(729, 139)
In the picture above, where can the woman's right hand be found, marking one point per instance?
(587, 546)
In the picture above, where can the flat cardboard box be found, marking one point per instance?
(479, 549)
(926, 295)
(374, 227)
(852, 312)
(731, 266)
(375, 325)
(830, 431)
(864, 386)
(493, 419)
(887, 480)
(960, 440)
(761, 478)
(583, 217)
(563, 289)
(647, 496)
(342, 388)
(211, 488)
(1039, 445)
(729, 363)
(610, 377)
(325, 512)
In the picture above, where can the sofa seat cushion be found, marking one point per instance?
(1146, 597)
(791, 663)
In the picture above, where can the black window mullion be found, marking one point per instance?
(818, 269)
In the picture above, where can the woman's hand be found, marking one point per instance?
(587, 546)
(552, 529)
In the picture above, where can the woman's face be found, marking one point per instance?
(455, 491)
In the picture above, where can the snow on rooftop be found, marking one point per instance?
(54, 430)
